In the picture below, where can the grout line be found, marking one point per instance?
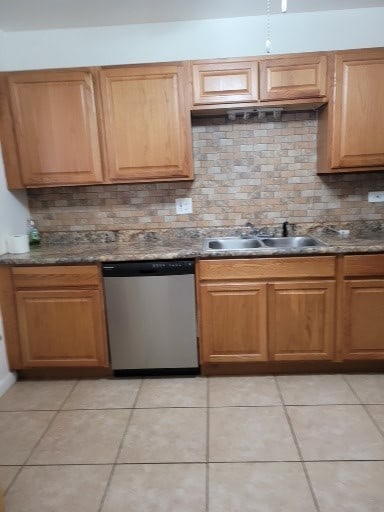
(207, 451)
(39, 440)
(365, 407)
(293, 433)
(115, 464)
(56, 411)
(199, 462)
(49, 425)
(69, 394)
(186, 407)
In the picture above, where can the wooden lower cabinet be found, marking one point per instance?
(234, 322)
(363, 319)
(246, 319)
(301, 320)
(363, 307)
(61, 317)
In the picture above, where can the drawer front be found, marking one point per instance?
(267, 268)
(56, 276)
(363, 265)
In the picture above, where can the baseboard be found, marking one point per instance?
(6, 382)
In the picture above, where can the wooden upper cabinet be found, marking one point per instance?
(290, 78)
(225, 82)
(359, 109)
(55, 127)
(350, 136)
(147, 123)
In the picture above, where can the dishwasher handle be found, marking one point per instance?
(148, 268)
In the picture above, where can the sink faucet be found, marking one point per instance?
(285, 228)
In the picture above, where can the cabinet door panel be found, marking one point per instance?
(61, 328)
(56, 127)
(301, 320)
(364, 319)
(148, 134)
(359, 110)
(233, 322)
(225, 82)
(293, 78)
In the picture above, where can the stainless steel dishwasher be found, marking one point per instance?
(151, 316)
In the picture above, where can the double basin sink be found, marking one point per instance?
(250, 244)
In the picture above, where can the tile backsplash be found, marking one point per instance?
(245, 171)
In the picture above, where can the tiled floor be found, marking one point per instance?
(225, 444)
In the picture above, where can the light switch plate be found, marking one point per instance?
(376, 197)
(183, 205)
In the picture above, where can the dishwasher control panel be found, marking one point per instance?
(142, 268)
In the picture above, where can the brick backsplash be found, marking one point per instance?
(245, 171)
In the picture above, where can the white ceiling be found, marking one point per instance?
(51, 14)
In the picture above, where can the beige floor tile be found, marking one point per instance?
(157, 488)
(243, 391)
(369, 387)
(166, 435)
(103, 394)
(348, 486)
(241, 434)
(377, 412)
(82, 437)
(178, 392)
(259, 487)
(36, 395)
(19, 432)
(7, 474)
(315, 390)
(336, 432)
(58, 488)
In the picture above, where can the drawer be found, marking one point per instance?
(56, 276)
(267, 268)
(363, 265)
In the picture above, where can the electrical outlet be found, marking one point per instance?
(183, 205)
(376, 197)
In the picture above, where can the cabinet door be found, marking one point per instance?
(364, 319)
(224, 82)
(61, 328)
(54, 114)
(293, 78)
(301, 320)
(233, 322)
(358, 124)
(147, 123)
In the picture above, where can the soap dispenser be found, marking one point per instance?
(33, 233)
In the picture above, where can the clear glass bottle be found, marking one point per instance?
(33, 233)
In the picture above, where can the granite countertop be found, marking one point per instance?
(183, 247)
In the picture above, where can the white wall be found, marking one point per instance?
(328, 30)
(13, 210)
(13, 220)
(7, 378)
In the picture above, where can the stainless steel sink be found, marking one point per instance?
(292, 242)
(232, 244)
(249, 244)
